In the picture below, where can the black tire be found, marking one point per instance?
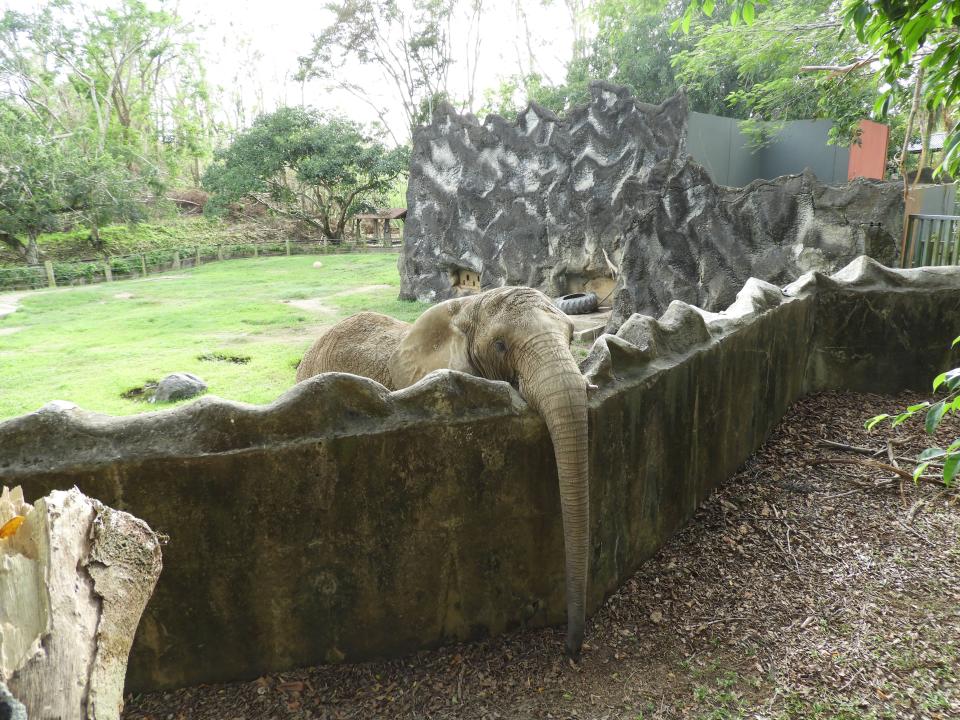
(577, 303)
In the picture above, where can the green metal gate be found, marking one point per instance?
(931, 240)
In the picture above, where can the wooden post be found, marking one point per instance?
(108, 273)
(387, 239)
(176, 259)
(219, 252)
(143, 265)
(197, 264)
(51, 278)
(256, 252)
(286, 242)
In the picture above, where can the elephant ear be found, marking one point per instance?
(434, 341)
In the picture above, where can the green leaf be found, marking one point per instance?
(872, 422)
(918, 406)
(918, 471)
(708, 6)
(934, 415)
(901, 418)
(956, 341)
(687, 17)
(950, 468)
(954, 446)
(931, 454)
(939, 380)
(748, 12)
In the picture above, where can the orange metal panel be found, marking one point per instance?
(868, 156)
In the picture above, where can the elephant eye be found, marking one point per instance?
(500, 346)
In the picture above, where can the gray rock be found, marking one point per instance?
(553, 203)
(10, 707)
(179, 386)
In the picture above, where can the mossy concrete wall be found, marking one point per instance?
(345, 522)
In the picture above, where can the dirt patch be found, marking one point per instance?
(224, 357)
(9, 302)
(799, 590)
(319, 304)
(142, 393)
(312, 305)
(359, 290)
(10, 330)
(124, 296)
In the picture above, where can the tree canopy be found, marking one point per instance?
(304, 165)
(912, 43)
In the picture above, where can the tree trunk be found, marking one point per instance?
(75, 577)
(911, 119)
(32, 251)
(95, 237)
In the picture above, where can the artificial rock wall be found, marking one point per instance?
(344, 522)
(553, 202)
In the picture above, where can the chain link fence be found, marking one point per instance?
(126, 267)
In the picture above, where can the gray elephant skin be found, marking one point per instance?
(514, 334)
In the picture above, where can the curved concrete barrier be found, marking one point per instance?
(344, 522)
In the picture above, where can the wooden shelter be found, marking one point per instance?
(381, 222)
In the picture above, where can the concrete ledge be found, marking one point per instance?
(344, 522)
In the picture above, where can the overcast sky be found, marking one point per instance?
(274, 33)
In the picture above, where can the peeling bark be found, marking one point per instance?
(74, 580)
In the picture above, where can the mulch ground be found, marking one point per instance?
(801, 589)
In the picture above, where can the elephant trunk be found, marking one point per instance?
(551, 383)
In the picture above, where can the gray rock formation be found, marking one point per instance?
(566, 204)
(10, 707)
(179, 386)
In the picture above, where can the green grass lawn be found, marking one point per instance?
(91, 344)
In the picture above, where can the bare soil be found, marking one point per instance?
(319, 304)
(801, 589)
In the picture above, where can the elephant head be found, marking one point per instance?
(518, 335)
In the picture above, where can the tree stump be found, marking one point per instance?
(75, 577)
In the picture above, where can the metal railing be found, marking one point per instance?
(125, 267)
(931, 240)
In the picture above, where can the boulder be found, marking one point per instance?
(608, 200)
(179, 386)
(10, 707)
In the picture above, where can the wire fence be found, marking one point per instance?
(137, 265)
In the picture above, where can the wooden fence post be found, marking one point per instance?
(143, 265)
(51, 278)
(197, 264)
(176, 259)
(108, 273)
(287, 243)
(219, 252)
(387, 238)
(256, 252)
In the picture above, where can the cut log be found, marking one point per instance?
(75, 577)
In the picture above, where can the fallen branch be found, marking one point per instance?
(851, 448)
(882, 466)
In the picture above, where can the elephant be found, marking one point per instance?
(515, 334)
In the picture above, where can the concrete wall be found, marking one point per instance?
(345, 522)
(717, 144)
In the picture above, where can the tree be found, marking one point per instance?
(126, 81)
(47, 183)
(410, 48)
(911, 43)
(30, 192)
(303, 165)
(764, 65)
